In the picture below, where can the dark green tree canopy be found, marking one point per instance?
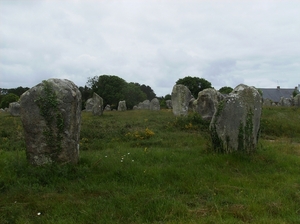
(168, 97)
(7, 99)
(225, 90)
(109, 87)
(86, 93)
(17, 91)
(148, 91)
(195, 84)
(133, 94)
(114, 89)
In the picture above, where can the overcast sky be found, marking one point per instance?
(151, 42)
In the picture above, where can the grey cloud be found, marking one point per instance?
(150, 42)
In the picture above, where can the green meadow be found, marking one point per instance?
(151, 167)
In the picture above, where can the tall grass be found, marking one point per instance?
(151, 167)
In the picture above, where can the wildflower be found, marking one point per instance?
(148, 132)
(39, 213)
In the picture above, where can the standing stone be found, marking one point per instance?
(181, 97)
(154, 104)
(235, 125)
(107, 107)
(122, 106)
(297, 100)
(207, 103)
(89, 104)
(145, 105)
(191, 103)
(169, 104)
(51, 117)
(267, 102)
(14, 109)
(97, 108)
(285, 102)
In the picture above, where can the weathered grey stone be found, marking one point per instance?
(207, 103)
(235, 124)
(169, 104)
(89, 104)
(122, 106)
(2, 110)
(297, 100)
(145, 105)
(98, 105)
(285, 102)
(135, 107)
(51, 117)
(107, 107)
(191, 103)
(154, 104)
(14, 109)
(180, 97)
(267, 102)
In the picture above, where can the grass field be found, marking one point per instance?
(151, 167)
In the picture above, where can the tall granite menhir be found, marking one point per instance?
(180, 97)
(51, 117)
(236, 123)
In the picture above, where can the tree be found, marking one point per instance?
(194, 84)
(17, 91)
(225, 90)
(148, 91)
(109, 87)
(114, 89)
(7, 99)
(163, 100)
(168, 97)
(86, 93)
(133, 94)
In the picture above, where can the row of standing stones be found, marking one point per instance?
(234, 119)
(95, 105)
(51, 117)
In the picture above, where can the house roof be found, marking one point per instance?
(276, 93)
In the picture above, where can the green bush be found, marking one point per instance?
(7, 99)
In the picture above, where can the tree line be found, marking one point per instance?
(114, 89)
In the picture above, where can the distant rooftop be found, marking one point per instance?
(276, 93)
